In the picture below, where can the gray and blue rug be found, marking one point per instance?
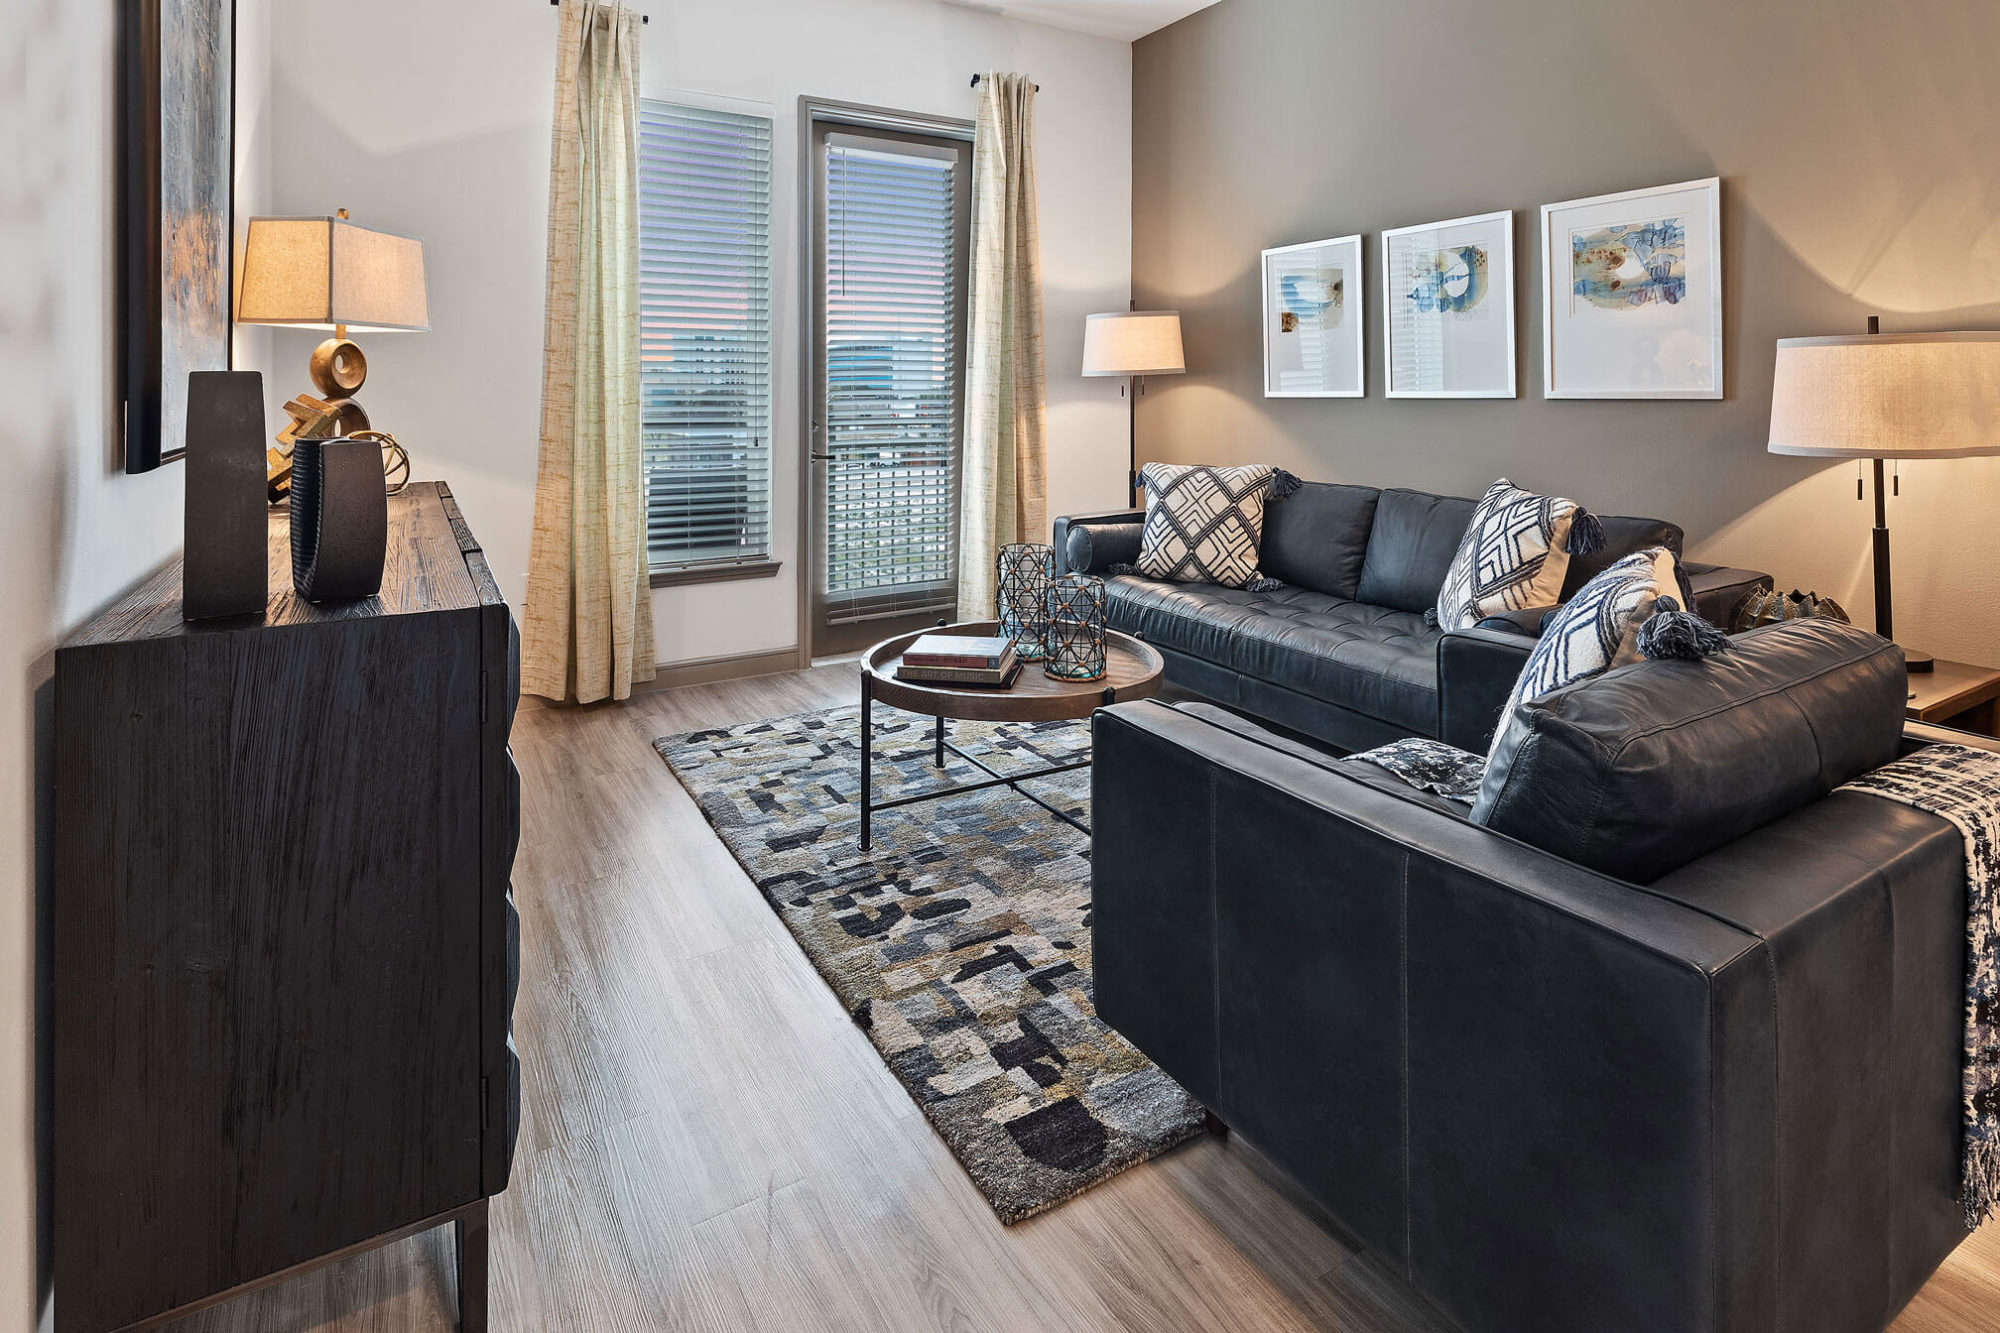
(960, 942)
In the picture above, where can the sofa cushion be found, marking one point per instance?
(1513, 556)
(1410, 547)
(1368, 658)
(1622, 536)
(1317, 537)
(1647, 767)
(1203, 523)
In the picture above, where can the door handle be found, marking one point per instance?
(822, 458)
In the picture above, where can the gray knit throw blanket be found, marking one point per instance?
(1961, 784)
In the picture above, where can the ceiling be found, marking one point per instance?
(1127, 20)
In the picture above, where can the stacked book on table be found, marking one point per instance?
(960, 660)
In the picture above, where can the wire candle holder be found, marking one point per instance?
(1074, 638)
(1023, 572)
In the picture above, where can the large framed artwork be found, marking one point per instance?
(176, 158)
(1632, 294)
(1448, 308)
(1313, 312)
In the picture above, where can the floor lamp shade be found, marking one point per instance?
(1137, 343)
(325, 273)
(1913, 395)
(1877, 396)
(1133, 342)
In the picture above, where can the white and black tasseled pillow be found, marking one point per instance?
(1203, 524)
(1513, 556)
(1592, 632)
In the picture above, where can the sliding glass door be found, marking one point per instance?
(891, 234)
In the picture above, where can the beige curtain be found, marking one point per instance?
(587, 628)
(1004, 496)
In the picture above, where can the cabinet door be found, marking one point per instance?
(268, 952)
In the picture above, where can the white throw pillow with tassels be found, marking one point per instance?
(1514, 555)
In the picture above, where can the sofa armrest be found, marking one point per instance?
(1477, 669)
(1719, 590)
(1092, 543)
(1528, 621)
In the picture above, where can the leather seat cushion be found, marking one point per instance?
(1372, 659)
(1645, 768)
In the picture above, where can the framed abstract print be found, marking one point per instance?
(1632, 294)
(1448, 308)
(176, 206)
(1313, 311)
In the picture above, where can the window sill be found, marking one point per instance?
(675, 578)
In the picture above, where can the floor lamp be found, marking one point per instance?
(1135, 343)
(1878, 396)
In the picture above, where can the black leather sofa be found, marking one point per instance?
(1341, 652)
(1672, 1044)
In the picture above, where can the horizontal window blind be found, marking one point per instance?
(705, 334)
(891, 266)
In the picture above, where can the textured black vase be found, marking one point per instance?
(340, 519)
(226, 524)
(1075, 632)
(1021, 590)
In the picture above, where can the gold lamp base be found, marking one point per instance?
(338, 369)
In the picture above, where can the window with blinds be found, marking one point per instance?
(705, 340)
(894, 273)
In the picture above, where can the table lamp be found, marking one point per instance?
(1135, 343)
(1876, 396)
(328, 273)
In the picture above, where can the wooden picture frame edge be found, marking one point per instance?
(138, 303)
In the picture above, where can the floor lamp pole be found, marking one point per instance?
(1885, 618)
(1132, 440)
(1885, 611)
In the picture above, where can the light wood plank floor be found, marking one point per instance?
(708, 1143)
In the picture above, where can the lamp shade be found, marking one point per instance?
(322, 272)
(1133, 342)
(1910, 395)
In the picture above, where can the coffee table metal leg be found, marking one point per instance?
(867, 754)
(940, 741)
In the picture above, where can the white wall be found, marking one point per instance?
(434, 118)
(74, 530)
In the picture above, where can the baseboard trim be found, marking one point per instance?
(708, 670)
(697, 671)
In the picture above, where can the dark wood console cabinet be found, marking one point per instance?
(285, 950)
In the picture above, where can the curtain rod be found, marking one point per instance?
(647, 18)
(975, 78)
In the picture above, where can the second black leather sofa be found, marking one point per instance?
(1341, 652)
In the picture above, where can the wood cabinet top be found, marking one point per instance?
(434, 564)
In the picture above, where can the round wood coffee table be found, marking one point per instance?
(1131, 671)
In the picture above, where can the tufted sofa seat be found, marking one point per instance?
(1380, 661)
(1339, 651)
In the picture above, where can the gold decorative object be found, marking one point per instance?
(327, 273)
(338, 368)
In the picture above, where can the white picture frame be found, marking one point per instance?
(1315, 316)
(1659, 337)
(1448, 328)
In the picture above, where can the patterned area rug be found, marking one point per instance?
(961, 942)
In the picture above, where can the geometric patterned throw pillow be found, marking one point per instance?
(1203, 523)
(1514, 555)
(1594, 631)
